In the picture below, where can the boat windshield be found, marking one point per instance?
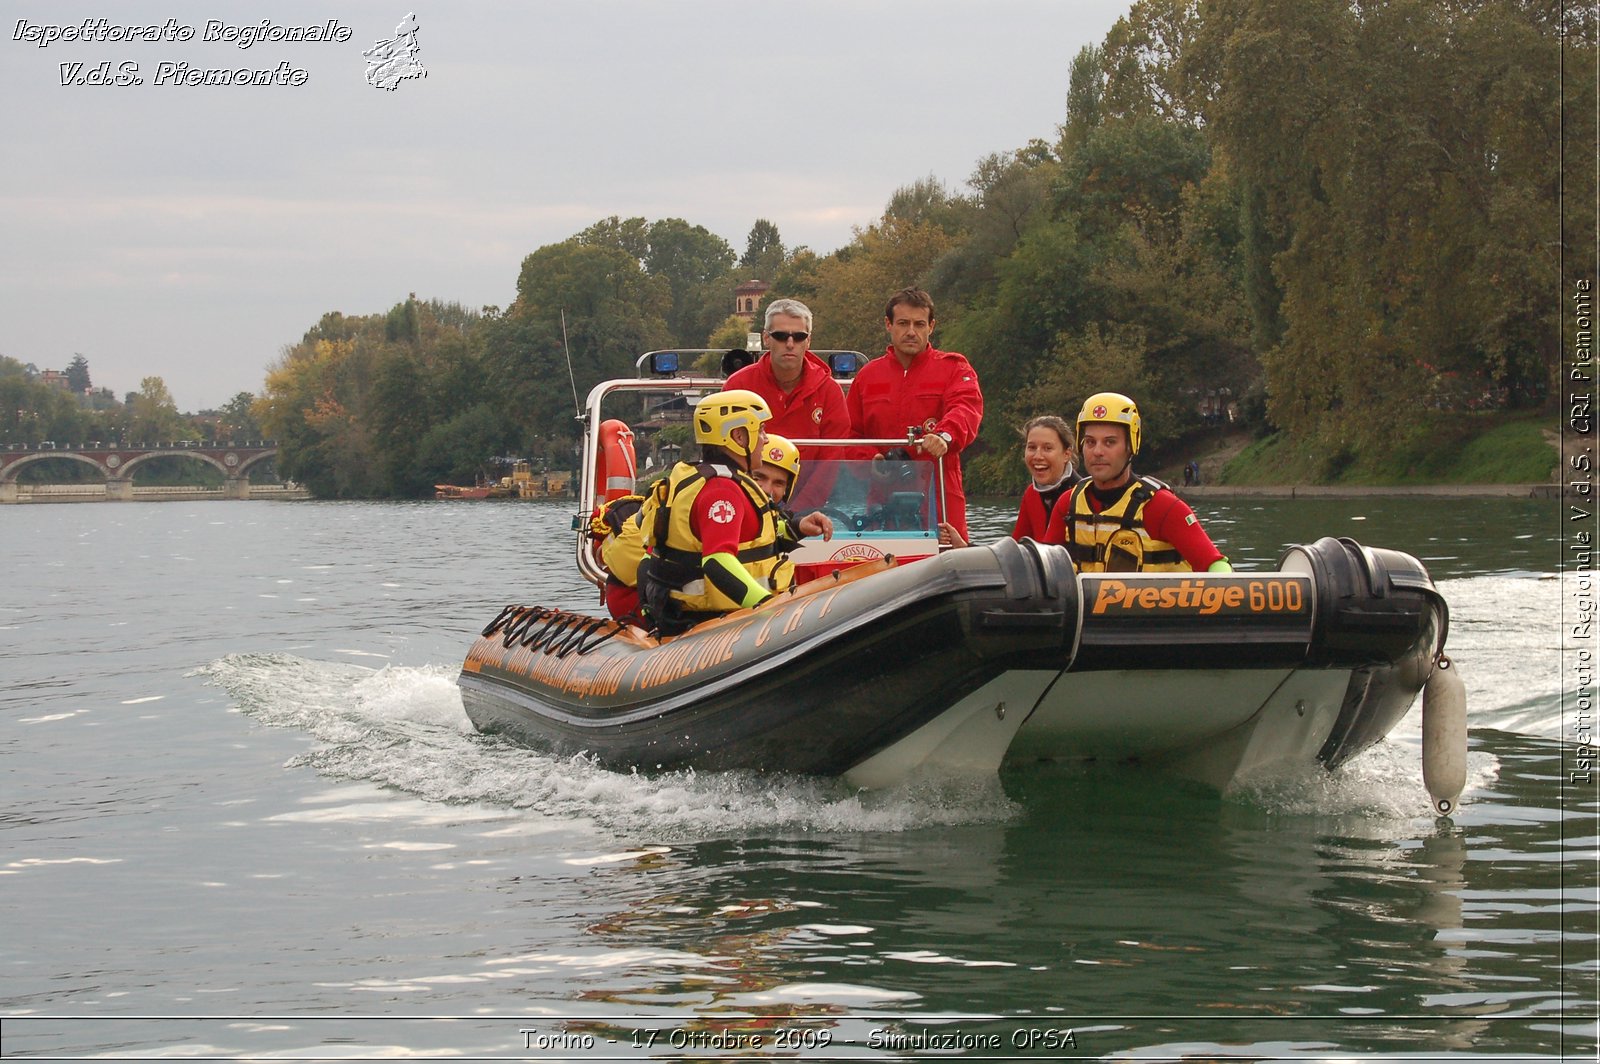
(879, 506)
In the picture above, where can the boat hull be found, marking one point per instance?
(980, 657)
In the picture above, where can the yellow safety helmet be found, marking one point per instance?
(718, 414)
(1111, 408)
(781, 452)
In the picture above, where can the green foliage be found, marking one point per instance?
(237, 419)
(764, 254)
(78, 375)
(1085, 90)
(731, 333)
(1151, 66)
(797, 278)
(694, 262)
(677, 435)
(457, 450)
(1398, 158)
(849, 288)
(177, 471)
(926, 202)
(353, 402)
(1337, 216)
(32, 411)
(1132, 171)
(152, 416)
(1011, 196)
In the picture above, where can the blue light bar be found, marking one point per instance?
(845, 364)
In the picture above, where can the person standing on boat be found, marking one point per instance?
(916, 387)
(806, 402)
(711, 531)
(1117, 521)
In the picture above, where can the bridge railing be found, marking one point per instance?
(112, 445)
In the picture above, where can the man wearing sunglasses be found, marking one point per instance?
(806, 401)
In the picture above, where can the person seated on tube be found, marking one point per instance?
(1117, 521)
(777, 473)
(711, 531)
(620, 537)
(1047, 453)
(618, 541)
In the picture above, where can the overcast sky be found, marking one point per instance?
(191, 232)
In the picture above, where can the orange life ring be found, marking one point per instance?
(615, 465)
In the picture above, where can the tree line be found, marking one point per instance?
(66, 407)
(1343, 223)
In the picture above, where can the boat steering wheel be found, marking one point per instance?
(854, 522)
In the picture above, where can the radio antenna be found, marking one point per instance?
(577, 407)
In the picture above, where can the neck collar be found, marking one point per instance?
(1066, 475)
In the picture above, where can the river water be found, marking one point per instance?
(245, 816)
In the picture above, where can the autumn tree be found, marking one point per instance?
(1085, 88)
(1396, 158)
(849, 289)
(1150, 65)
(152, 416)
(693, 261)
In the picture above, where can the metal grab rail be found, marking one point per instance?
(588, 565)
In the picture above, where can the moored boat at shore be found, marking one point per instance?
(456, 491)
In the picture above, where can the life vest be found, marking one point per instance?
(1115, 540)
(675, 550)
(619, 537)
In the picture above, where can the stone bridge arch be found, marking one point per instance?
(250, 462)
(125, 469)
(117, 464)
(8, 475)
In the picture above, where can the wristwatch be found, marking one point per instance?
(946, 437)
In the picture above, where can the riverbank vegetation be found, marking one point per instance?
(1334, 227)
(1474, 449)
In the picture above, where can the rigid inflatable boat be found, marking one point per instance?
(968, 660)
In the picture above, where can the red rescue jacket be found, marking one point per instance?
(814, 410)
(938, 392)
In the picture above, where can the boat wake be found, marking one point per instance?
(1383, 783)
(1509, 657)
(404, 727)
(1505, 636)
